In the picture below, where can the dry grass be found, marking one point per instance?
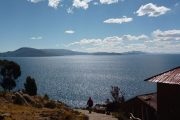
(12, 111)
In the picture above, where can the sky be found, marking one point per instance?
(91, 25)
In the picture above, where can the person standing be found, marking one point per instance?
(90, 104)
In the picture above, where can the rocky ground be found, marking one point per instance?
(20, 106)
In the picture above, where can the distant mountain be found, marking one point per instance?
(61, 52)
(106, 53)
(32, 52)
(24, 52)
(133, 53)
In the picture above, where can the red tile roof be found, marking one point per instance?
(169, 77)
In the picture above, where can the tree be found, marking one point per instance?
(9, 72)
(30, 86)
(117, 94)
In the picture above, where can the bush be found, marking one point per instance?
(117, 94)
(30, 86)
(9, 72)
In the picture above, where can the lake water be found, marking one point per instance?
(72, 79)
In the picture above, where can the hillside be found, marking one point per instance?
(20, 106)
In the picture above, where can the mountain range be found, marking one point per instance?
(32, 52)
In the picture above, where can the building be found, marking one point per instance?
(142, 106)
(168, 94)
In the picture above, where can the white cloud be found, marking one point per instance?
(108, 1)
(109, 41)
(166, 35)
(84, 4)
(124, 19)
(136, 47)
(69, 32)
(54, 3)
(35, 1)
(152, 10)
(81, 3)
(87, 42)
(70, 10)
(36, 38)
(51, 3)
(132, 37)
(95, 3)
(159, 41)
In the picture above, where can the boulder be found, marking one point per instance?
(19, 99)
(29, 99)
(4, 116)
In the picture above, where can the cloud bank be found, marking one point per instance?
(158, 41)
(84, 4)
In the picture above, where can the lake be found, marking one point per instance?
(72, 79)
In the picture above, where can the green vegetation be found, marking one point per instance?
(9, 72)
(117, 94)
(116, 105)
(30, 86)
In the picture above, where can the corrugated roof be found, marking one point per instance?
(169, 77)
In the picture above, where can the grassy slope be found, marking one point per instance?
(13, 111)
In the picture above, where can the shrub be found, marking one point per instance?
(30, 86)
(117, 94)
(9, 72)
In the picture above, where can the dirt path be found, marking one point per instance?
(97, 116)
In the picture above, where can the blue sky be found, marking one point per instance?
(91, 25)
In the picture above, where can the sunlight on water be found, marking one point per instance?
(72, 79)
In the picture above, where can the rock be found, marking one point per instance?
(19, 99)
(50, 104)
(6, 115)
(100, 109)
(3, 116)
(29, 99)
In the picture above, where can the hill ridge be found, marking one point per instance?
(33, 52)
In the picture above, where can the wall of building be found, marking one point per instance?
(168, 101)
(140, 109)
